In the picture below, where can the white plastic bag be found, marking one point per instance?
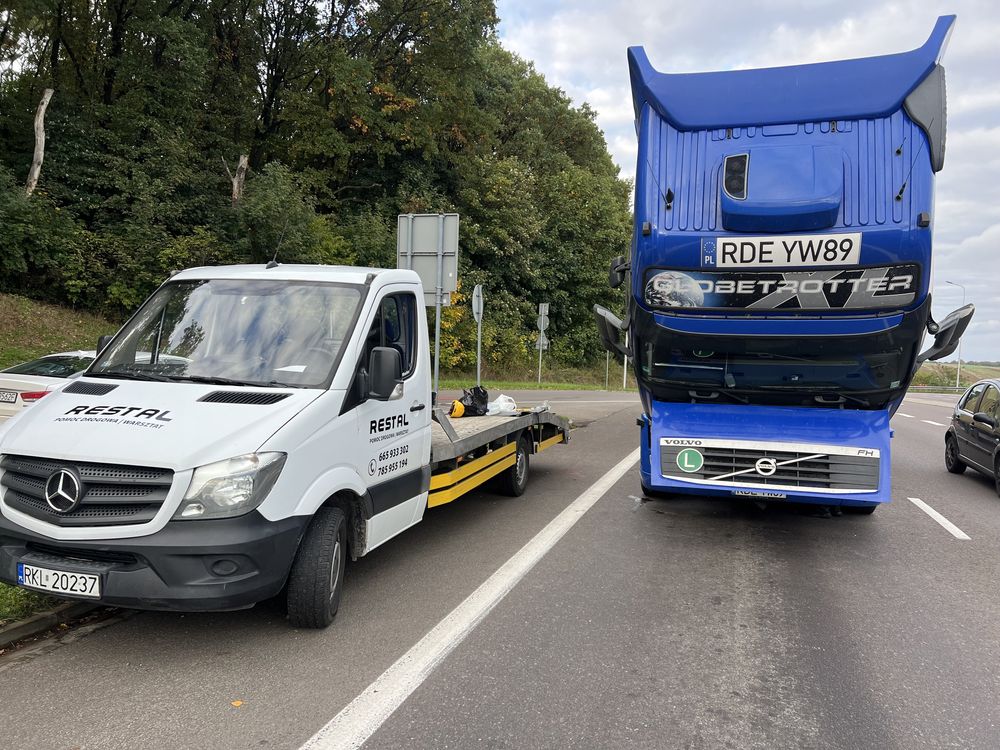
(503, 406)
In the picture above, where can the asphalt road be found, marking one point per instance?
(665, 624)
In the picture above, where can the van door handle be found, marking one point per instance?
(418, 407)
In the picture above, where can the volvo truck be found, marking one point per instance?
(778, 283)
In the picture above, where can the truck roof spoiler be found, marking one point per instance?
(844, 89)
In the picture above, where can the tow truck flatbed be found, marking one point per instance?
(467, 452)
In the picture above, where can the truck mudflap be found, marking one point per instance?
(188, 566)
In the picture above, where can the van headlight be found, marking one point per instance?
(231, 487)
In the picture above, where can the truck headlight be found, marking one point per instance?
(231, 487)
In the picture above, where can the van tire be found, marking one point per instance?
(514, 480)
(316, 580)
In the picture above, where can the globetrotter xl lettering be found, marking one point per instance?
(388, 423)
(135, 412)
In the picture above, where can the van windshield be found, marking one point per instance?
(236, 331)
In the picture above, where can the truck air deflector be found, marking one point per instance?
(846, 89)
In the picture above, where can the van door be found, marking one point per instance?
(394, 435)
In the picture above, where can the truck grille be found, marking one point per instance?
(819, 468)
(112, 495)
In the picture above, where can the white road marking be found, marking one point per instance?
(599, 401)
(931, 421)
(948, 525)
(362, 717)
(908, 416)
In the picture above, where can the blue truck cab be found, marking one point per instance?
(779, 272)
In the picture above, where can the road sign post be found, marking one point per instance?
(428, 244)
(543, 341)
(477, 313)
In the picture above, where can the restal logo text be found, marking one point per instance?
(136, 412)
(388, 423)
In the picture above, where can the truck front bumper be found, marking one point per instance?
(188, 566)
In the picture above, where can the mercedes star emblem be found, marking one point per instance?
(766, 466)
(63, 491)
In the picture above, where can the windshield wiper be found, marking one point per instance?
(130, 375)
(842, 395)
(215, 380)
(714, 394)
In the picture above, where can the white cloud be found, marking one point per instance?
(580, 47)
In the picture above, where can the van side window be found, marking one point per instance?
(394, 325)
(972, 398)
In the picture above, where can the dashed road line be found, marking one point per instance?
(948, 525)
(931, 421)
(362, 717)
(900, 414)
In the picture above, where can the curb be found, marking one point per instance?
(43, 621)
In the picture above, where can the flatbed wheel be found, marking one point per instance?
(514, 480)
(317, 576)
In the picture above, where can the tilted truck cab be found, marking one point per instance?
(779, 272)
(247, 430)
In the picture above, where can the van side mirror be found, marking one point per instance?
(616, 273)
(102, 342)
(609, 327)
(949, 332)
(984, 418)
(385, 374)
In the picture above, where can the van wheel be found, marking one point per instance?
(996, 475)
(952, 461)
(317, 577)
(515, 479)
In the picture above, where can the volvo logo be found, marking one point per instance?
(766, 466)
(63, 491)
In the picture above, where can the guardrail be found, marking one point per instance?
(937, 388)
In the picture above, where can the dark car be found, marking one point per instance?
(974, 436)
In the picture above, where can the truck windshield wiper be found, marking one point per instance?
(714, 393)
(130, 375)
(843, 396)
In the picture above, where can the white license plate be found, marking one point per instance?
(58, 581)
(8, 397)
(783, 251)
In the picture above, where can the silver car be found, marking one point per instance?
(23, 384)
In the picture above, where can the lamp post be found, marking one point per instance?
(958, 373)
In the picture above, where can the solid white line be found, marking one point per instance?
(908, 416)
(362, 717)
(951, 528)
(579, 401)
(936, 424)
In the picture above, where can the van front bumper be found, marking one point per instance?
(187, 566)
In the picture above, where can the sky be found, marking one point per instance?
(580, 47)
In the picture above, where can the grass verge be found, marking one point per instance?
(30, 329)
(17, 603)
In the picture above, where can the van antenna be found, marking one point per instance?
(281, 238)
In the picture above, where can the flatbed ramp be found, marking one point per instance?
(469, 451)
